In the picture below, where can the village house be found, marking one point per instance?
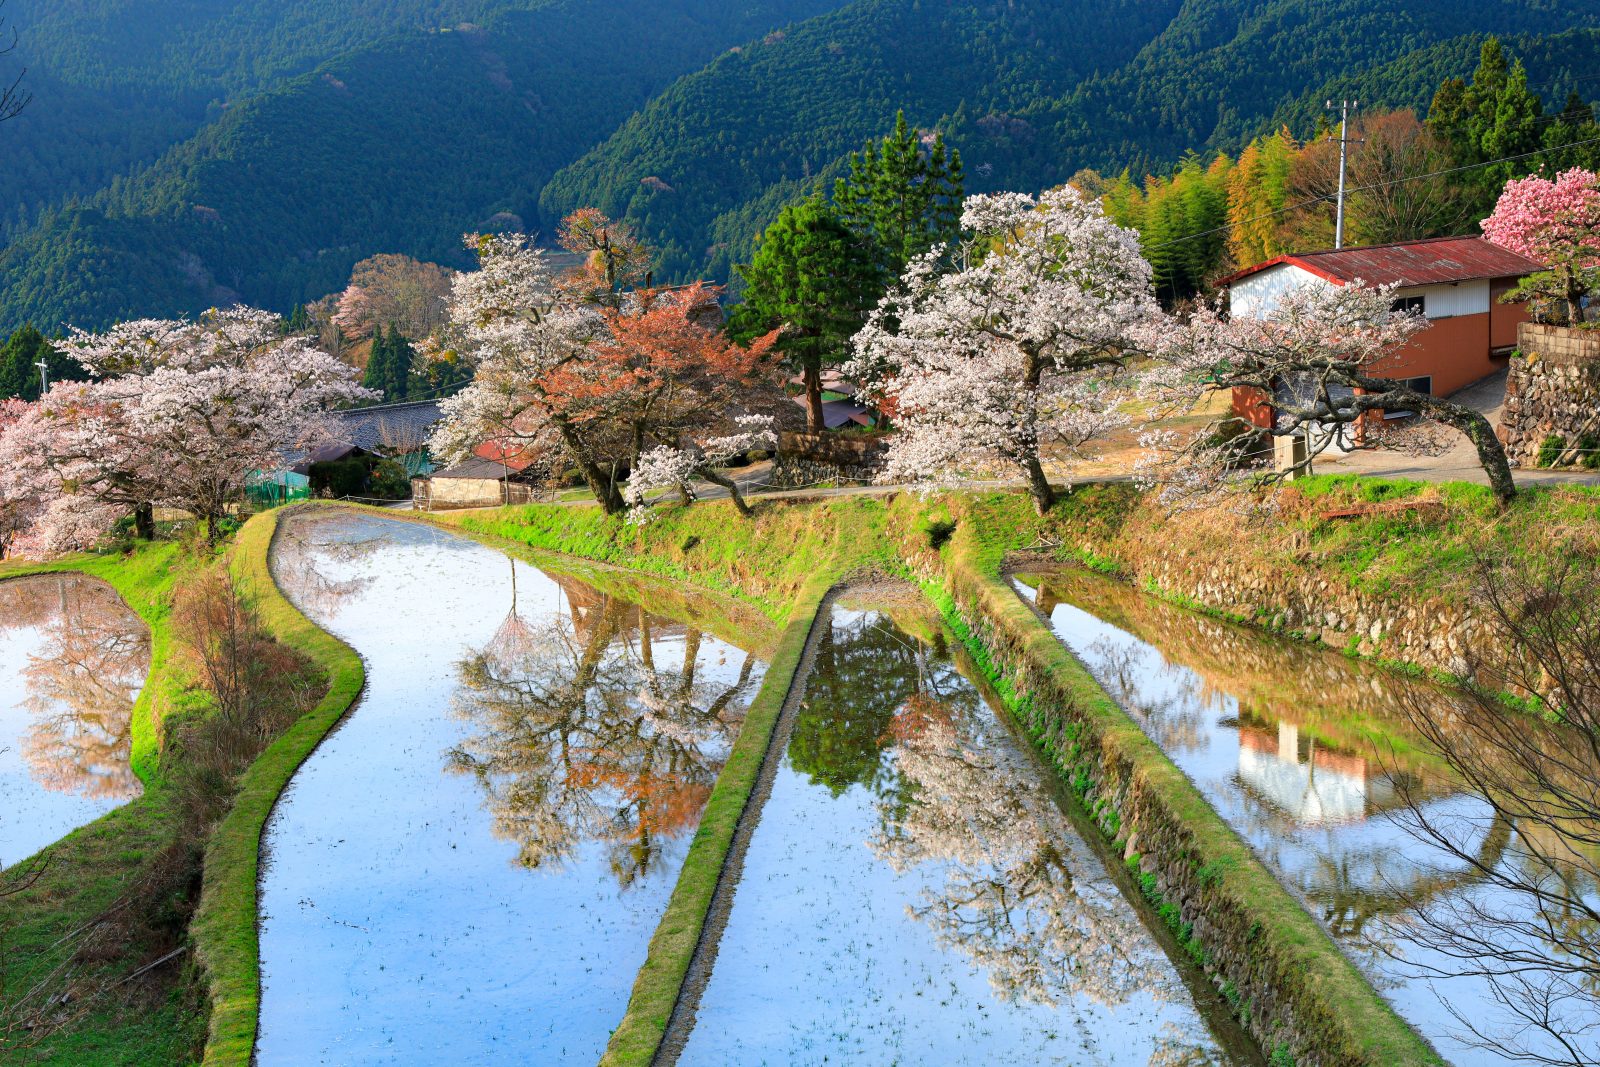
(1457, 282)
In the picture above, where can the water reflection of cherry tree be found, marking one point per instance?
(81, 683)
(304, 565)
(1005, 892)
(585, 730)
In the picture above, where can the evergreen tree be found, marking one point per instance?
(1575, 124)
(903, 200)
(389, 365)
(815, 275)
(300, 320)
(1495, 117)
(19, 364)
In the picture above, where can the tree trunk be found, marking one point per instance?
(144, 522)
(716, 478)
(1491, 453)
(1039, 486)
(813, 379)
(604, 488)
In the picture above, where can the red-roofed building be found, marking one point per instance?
(1457, 282)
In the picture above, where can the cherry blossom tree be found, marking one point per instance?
(1321, 356)
(1017, 351)
(1556, 223)
(565, 382)
(353, 312)
(185, 411)
(24, 495)
(669, 467)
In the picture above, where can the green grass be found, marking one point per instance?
(766, 561)
(95, 865)
(225, 929)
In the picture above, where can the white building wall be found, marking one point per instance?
(1257, 296)
(1450, 301)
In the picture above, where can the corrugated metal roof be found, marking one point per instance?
(1436, 261)
(386, 427)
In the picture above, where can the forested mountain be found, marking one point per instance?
(186, 152)
(1557, 64)
(117, 82)
(1029, 91)
(401, 145)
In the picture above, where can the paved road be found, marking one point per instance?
(1460, 462)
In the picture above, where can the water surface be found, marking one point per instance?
(73, 658)
(1307, 754)
(913, 893)
(470, 869)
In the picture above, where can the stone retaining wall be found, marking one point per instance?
(805, 459)
(1553, 390)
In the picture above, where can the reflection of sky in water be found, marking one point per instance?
(912, 894)
(1329, 822)
(73, 658)
(404, 920)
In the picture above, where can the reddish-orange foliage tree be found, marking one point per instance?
(615, 259)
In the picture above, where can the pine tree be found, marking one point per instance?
(817, 276)
(903, 200)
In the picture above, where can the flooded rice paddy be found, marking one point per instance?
(73, 658)
(470, 868)
(914, 894)
(1305, 753)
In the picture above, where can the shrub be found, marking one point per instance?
(389, 481)
(1589, 451)
(1550, 450)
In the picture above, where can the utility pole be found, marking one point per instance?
(1345, 107)
(44, 377)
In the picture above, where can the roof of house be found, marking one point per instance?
(516, 457)
(475, 467)
(1435, 261)
(837, 413)
(387, 427)
(324, 453)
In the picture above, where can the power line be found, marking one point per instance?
(1366, 188)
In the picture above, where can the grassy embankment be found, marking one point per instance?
(1416, 544)
(225, 927)
(148, 1020)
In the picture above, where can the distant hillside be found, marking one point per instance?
(118, 82)
(1029, 90)
(785, 109)
(187, 152)
(401, 146)
(1557, 65)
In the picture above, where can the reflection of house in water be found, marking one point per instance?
(1313, 784)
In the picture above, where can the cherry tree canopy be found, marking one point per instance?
(1317, 356)
(985, 366)
(560, 381)
(183, 412)
(1557, 223)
